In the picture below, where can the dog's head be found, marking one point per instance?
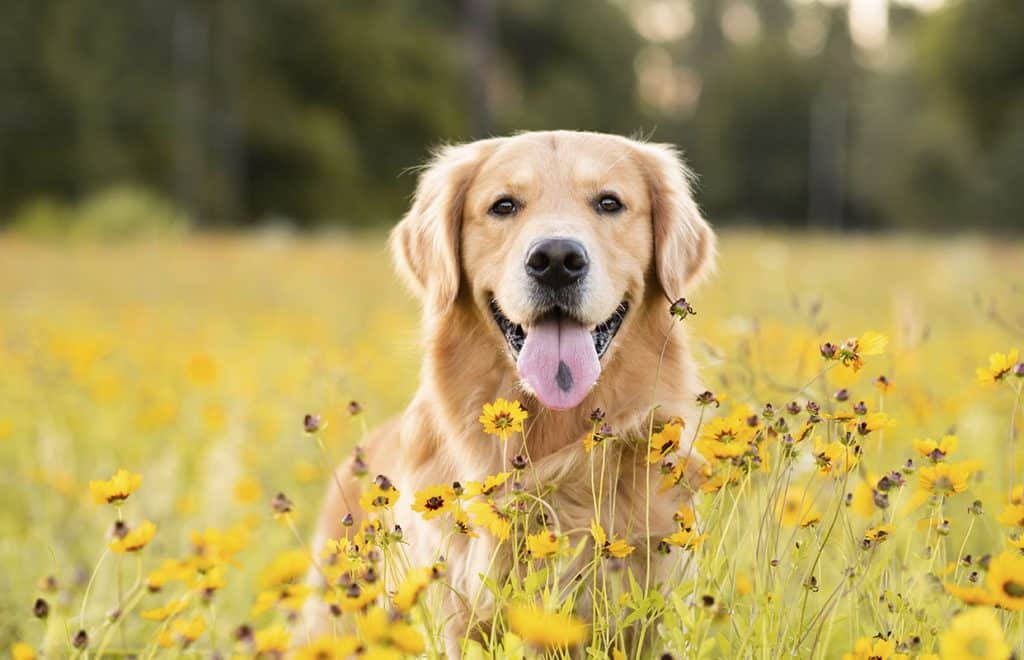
(556, 238)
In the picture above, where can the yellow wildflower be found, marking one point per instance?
(287, 568)
(798, 509)
(247, 490)
(210, 581)
(289, 597)
(999, 365)
(170, 570)
(134, 540)
(615, 548)
(415, 582)
(678, 474)
(379, 497)
(22, 651)
(461, 519)
(852, 352)
(975, 634)
(666, 440)
(433, 501)
(490, 484)
(503, 418)
(878, 534)
(720, 480)
(375, 627)
(596, 437)
(272, 641)
(944, 478)
(182, 632)
(543, 544)
(172, 608)
(870, 422)
(685, 517)
(202, 369)
(328, 647)
(863, 500)
(936, 451)
(491, 517)
(835, 458)
(1012, 516)
(548, 630)
(872, 343)
(685, 538)
(872, 648)
(969, 595)
(1005, 580)
(353, 598)
(724, 438)
(213, 547)
(116, 489)
(743, 584)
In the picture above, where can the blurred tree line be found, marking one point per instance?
(312, 110)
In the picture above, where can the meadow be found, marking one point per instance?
(869, 510)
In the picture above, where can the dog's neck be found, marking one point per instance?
(648, 369)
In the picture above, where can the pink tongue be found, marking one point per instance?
(559, 362)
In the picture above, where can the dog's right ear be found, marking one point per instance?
(425, 244)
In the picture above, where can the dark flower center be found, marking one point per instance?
(1013, 589)
(434, 503)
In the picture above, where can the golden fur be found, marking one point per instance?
(455, 256)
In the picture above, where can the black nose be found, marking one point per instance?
(557, 262)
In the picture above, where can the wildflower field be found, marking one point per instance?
(170, 414)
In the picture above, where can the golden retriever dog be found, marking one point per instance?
(545, 263)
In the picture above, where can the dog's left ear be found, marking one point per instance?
(425, 244)
(684, 243)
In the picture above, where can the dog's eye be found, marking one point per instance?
(609, 204)
(504, 206)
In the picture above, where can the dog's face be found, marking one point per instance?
(554, 237)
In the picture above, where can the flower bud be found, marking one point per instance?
(244, 633)
(281, 503)
(311, 423)
(681, 309)
(842, 395)
(828, 350)
(41, 609)
(707, 398)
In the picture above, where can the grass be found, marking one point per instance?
(192, 363)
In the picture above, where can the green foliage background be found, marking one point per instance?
(310, 111)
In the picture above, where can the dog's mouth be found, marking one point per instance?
(557, 356)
